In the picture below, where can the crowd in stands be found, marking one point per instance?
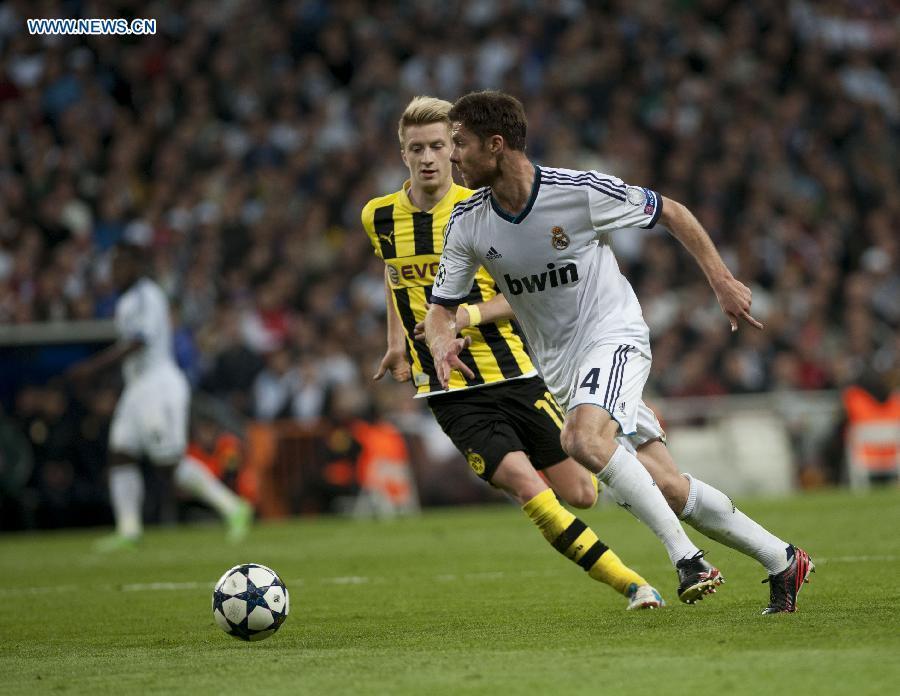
(240, 143)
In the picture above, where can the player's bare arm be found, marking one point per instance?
(734, 297)
(394, 359)
(495, 309)
(440, 333)
(107, 358)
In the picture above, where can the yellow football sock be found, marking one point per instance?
(577, 542)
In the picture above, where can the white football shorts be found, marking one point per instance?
(613, 378)
(151, 418)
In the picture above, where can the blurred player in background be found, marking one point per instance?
(499, 414)
(542, 233)
(151, 417)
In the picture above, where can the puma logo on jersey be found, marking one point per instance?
(493, 254)
(538, 283)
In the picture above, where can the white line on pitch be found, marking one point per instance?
(151, 586)
(337, 580)
(51, 589)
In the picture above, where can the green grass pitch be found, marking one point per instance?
(466, 601)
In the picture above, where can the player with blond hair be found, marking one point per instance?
(499, 414)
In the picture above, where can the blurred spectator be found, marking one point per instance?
(232, 365)
(16, 463)
(221, 452)
(275, 386)
(873, 430)
(366, 468)
(67, 485)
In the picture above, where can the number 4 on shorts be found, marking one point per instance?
(590, 380)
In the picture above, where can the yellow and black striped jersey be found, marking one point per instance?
(410, 242)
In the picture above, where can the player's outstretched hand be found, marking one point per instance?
(447, 360)
(394, 361)
(735, 299)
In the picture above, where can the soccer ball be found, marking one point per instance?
(250, 602)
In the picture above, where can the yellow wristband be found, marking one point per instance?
(474, 314)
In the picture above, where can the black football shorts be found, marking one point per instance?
(488, 423)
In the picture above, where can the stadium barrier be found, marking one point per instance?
(57, 332)
(747, 445)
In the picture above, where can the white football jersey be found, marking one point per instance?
(554, 264)
(143, 313)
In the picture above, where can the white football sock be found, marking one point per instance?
(126, 491)
(635, 490)
(712, 513)
(193, 477)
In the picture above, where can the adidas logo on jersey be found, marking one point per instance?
(493, 254)
(537, 283)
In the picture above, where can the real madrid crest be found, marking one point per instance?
(560, 239)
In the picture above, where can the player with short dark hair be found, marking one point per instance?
(542, 233)
(151, 416)
(498, 413)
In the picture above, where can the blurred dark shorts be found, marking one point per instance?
(488, 423)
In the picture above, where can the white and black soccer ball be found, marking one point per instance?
(250, 602)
